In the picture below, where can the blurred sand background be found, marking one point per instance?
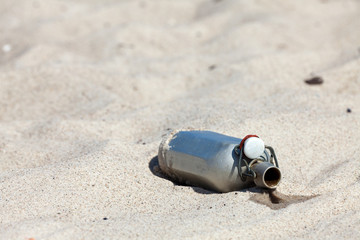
(88, 89)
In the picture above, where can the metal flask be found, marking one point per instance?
(217, 162)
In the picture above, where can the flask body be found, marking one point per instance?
(203, 158)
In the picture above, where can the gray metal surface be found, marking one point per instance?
(203, 158)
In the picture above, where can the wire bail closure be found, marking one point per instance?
(244, 163)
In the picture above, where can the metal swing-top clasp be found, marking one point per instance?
(263, 169)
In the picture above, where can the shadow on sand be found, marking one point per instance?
(271, 198)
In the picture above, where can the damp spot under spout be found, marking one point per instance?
(276, 200)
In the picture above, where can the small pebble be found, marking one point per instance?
(6, 48)
(348, 110)
(105, 218)
(314, 81)
(212, 67)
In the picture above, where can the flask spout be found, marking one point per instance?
(267, 175)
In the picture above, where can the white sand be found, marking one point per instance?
(87, 89)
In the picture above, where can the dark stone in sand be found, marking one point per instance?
(314, 81)
(212, 67)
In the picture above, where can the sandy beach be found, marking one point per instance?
(89, 88)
